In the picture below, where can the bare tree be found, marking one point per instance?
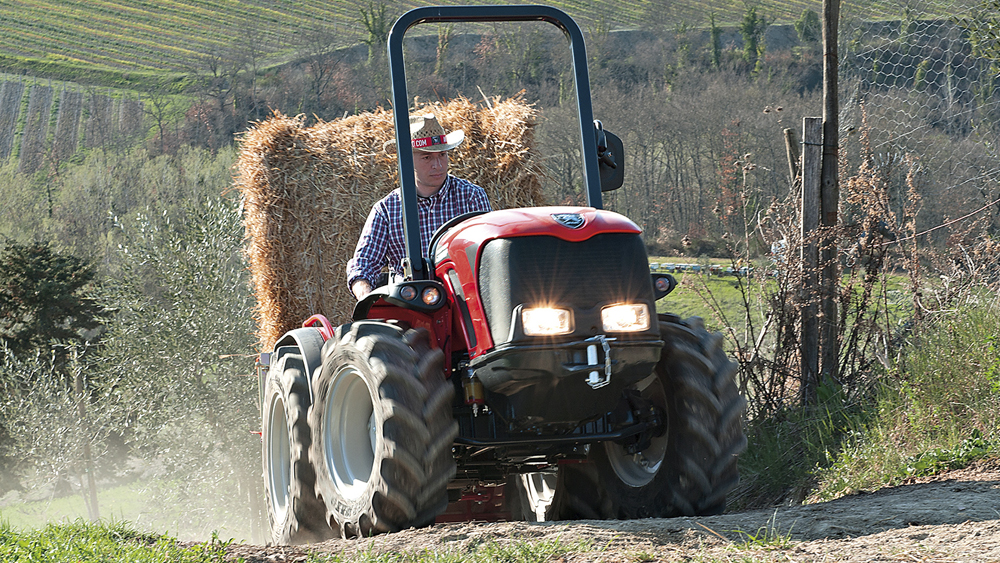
(377, 20)
(160, 107)
(217, 74)
(317, 48)
(251, 44)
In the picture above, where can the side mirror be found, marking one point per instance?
(610, 158)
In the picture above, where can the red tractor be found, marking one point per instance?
(523, 356)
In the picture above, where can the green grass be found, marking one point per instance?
(700, 295)
(718, 299)
(517, 551)
(696, 291)
(937, 411)
(768, 536)
(55, 67)
(84, 543)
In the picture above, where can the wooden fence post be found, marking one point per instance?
(830, 195)
(792, 152)
(812, 145)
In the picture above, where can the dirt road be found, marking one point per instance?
(951, 517)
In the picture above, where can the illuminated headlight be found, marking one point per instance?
(546, 321)
(625, 318)
(430, 296)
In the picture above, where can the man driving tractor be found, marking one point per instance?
(440, 197)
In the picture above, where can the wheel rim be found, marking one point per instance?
(279, 457)
(540, 488)
(349, 429)
(637, 470)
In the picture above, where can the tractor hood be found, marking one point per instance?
(573, 224)
(581, 257)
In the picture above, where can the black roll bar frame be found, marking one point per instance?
(414, 266)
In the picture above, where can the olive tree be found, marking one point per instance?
(179, 348)
(47, 313)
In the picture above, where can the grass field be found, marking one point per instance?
(146, 35)
(84, 543)
(723, 299)
(149, 507)
(719, 299)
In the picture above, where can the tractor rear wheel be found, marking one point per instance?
(294, 513)
(384, 426)
(691, 466)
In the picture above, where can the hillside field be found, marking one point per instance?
(152, 35)
(148, 35)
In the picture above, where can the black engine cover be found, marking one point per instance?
(532, 382)
(533, 271)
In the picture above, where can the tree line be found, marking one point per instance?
(661, 90)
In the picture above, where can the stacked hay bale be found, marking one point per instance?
(308, 190)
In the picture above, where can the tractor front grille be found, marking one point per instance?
(544, 270)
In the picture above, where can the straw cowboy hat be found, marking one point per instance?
(426, 134)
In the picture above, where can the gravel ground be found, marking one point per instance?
(949, 517)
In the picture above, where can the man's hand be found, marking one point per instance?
(361, 288)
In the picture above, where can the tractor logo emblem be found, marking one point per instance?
(571, 220)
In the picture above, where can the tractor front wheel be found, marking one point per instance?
(689, 467)
(294, 513)
(382, 415)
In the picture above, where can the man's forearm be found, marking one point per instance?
(360, 288)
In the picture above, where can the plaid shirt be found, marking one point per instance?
(381, 240)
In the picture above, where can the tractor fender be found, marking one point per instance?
(306, 341)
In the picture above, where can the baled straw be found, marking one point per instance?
(308, 190)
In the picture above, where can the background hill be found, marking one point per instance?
(139, 36)
(66, 36)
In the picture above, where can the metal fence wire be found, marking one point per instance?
(921, 89)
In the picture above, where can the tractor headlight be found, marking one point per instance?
(430, 296)
(546, 321)
(625, 318)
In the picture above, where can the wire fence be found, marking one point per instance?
(920, 90)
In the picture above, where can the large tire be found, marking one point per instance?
(294, 514)
(385, 429)
(691, 467)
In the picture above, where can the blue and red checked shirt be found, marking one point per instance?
(381, 241)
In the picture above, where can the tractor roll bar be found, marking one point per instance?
(414, 267)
